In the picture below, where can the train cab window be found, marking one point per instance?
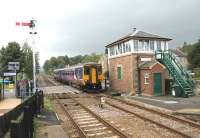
(99, 70)
(86, 70)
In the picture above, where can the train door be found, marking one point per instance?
(93, 75)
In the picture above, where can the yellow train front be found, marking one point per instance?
(92, 76)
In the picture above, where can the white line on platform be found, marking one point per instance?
(162, 101)
(57, 117)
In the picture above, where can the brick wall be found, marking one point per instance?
(126, 83)
(128, 63)
(148, 89)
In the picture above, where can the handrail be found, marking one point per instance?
(176, 78)
(183, 71)
(180, 75)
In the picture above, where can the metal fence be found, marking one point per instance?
(19, 121)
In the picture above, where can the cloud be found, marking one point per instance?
(72, 27)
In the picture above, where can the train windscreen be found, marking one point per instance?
(86, 70)
(99, 70)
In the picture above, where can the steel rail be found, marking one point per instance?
(193, 124)
(113, 128)
(152, 121)
(81, 132)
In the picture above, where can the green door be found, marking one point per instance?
(157, 84)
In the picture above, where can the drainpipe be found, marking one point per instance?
(138, 89)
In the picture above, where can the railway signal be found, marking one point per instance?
(31, 24)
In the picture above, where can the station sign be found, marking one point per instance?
(13, 65)
(6, 74)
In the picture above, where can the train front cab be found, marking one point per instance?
(92, 76)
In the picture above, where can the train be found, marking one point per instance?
(87, 76)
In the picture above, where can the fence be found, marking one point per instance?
(19, 121)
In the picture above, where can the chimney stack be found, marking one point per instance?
(134, 29)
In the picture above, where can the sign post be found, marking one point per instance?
(13, 66)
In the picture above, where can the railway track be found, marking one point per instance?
(45, 81)
(180, 126)
(88, 123)
(183, 127)
(176, 125)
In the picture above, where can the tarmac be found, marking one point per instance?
(189, 105)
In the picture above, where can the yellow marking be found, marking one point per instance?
(94, 75)
(85, 77)
(101, 77)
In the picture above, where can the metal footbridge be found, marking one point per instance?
(179, 74)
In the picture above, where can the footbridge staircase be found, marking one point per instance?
(179, 74)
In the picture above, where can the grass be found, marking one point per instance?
(48, 105)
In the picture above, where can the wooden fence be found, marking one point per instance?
(19, 121)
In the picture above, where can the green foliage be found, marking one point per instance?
(14, 53)
(62, 61)
(11, 53)
(91, 58)
(28, 60)
(194, 56)
(48, 105)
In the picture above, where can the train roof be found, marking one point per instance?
(93, 63)
(76, 66)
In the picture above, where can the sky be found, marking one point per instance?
(74, 27)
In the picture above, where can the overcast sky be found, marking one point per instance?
(72, 27)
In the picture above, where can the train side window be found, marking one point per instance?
(86, 70)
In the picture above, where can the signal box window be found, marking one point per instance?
(119, 72)
(86, 70)
(159, 45)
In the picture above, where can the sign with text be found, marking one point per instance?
(6, 74)
(13, 65)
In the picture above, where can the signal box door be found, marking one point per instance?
(157, 84)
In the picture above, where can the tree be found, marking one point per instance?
(28, 60)
(14, 53)
(186, 48)
(62, 61)
(11, 53)
(46, 66)
(75, 60)
(194, 56)
(91, 58)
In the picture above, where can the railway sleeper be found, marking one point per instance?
(100, 133)
(95, 129)
(88, 122)
(91, 125)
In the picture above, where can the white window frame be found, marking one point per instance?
(135, 45)
(153, 46)
(146, 78)
(160, 42)
(120, 65)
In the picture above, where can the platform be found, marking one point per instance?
(54, 131)
(9, 102)
(183, 105)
